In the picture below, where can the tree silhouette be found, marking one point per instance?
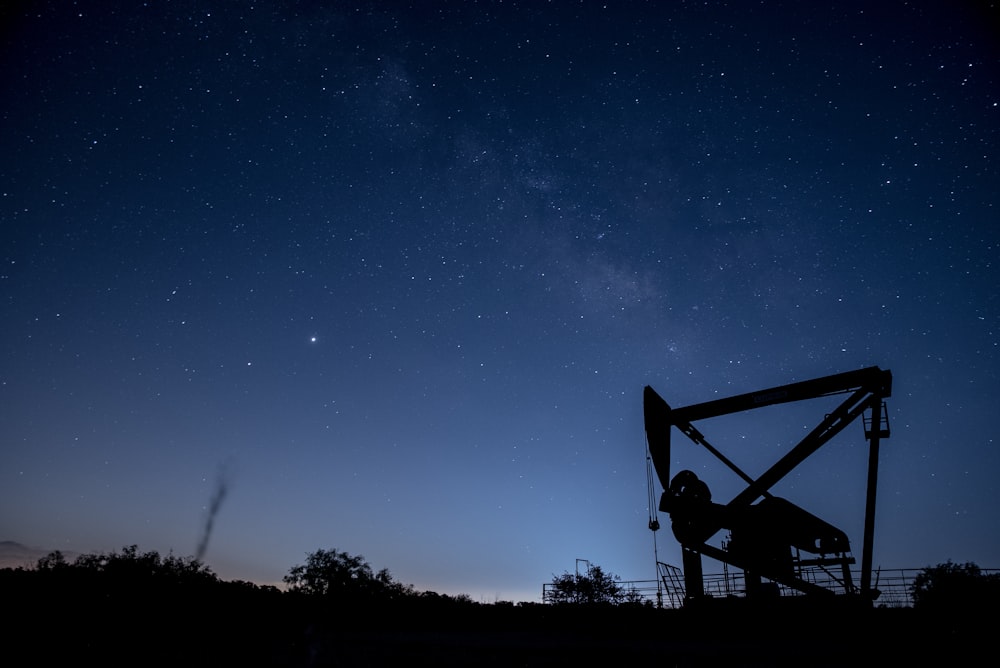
(952, 587)
(594, 586)
(341, 576)
(135, 567)
(52, 561)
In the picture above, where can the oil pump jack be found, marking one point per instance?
(768, 534)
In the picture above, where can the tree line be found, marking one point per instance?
(327, 575)
(129, 605)
(333, 575)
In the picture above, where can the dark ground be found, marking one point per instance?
(87, 622)
(203, 634)
(670, 638)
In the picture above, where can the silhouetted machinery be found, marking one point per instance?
(767, 534)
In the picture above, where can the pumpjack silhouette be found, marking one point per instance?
(770, 538)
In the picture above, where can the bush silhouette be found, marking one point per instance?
(594, 586)
(342, 577)
(951, 587)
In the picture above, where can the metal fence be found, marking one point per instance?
(894, 586)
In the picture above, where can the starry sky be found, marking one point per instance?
(390, 277)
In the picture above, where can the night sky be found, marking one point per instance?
(390, 277)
